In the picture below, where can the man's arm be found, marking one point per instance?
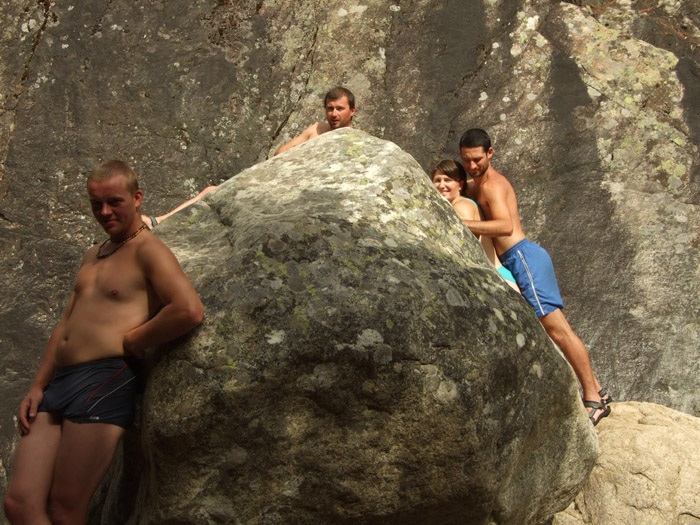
(181, 311)
(186, 203)
(29, 405)
(499, 222)
(309, 133)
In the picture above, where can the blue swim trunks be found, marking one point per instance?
(99, 391)
(533, 271)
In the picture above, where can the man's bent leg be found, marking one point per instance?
(574, 350)
(27, 497)
(83, 458)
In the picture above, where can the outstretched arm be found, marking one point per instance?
(182, 309)
(186, 203)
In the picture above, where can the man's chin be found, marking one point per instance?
(109, 227)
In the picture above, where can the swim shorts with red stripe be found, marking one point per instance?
(99, 391)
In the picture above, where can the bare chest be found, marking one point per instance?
(115, 278)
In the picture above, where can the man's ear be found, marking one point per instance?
(138, 198)
(489, 153)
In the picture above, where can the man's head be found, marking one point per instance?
(476, 151)
(340, 107)
(475, 138)
(115, 197)
(113, 168)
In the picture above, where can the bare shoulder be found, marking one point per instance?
(322, 127)
(90, 254)
(501, 180)
(495, 184)
(315, 129)
(467, 210)
(152, 252)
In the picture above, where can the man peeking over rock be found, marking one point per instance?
(340, 108)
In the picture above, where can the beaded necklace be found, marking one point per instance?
(127, 239)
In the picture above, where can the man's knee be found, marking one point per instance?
(19, 509)
(67, 511)
(558, 334)
(556, 325)
(13, 508)
(68, 502)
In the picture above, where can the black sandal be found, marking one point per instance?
(605, 398)
(595, 406)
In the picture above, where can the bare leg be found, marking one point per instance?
(574, 350)
(26, 499)
(83, 458)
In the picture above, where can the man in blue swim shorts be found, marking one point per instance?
(529, 263)
(130, 294)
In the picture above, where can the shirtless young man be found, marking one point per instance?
(529, 263)
(130, 294)
(340, 108)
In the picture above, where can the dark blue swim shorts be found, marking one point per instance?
(99, 391)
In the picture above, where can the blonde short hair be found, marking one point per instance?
(112, 168)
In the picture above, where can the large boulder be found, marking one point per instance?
(594, 107)
(360, 360)
(647, 471)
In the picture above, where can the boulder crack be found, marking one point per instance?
(310, 55)
(35, 45)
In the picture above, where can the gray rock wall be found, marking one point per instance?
(594, 108)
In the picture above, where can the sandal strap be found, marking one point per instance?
(596, 405)
(604, 393)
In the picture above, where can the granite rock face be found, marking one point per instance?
(594, 107)
(360, 360)
(647, 471)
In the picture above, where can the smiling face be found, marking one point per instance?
(114, 206)
(476, 160)
(338, 112)
(447, 186)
